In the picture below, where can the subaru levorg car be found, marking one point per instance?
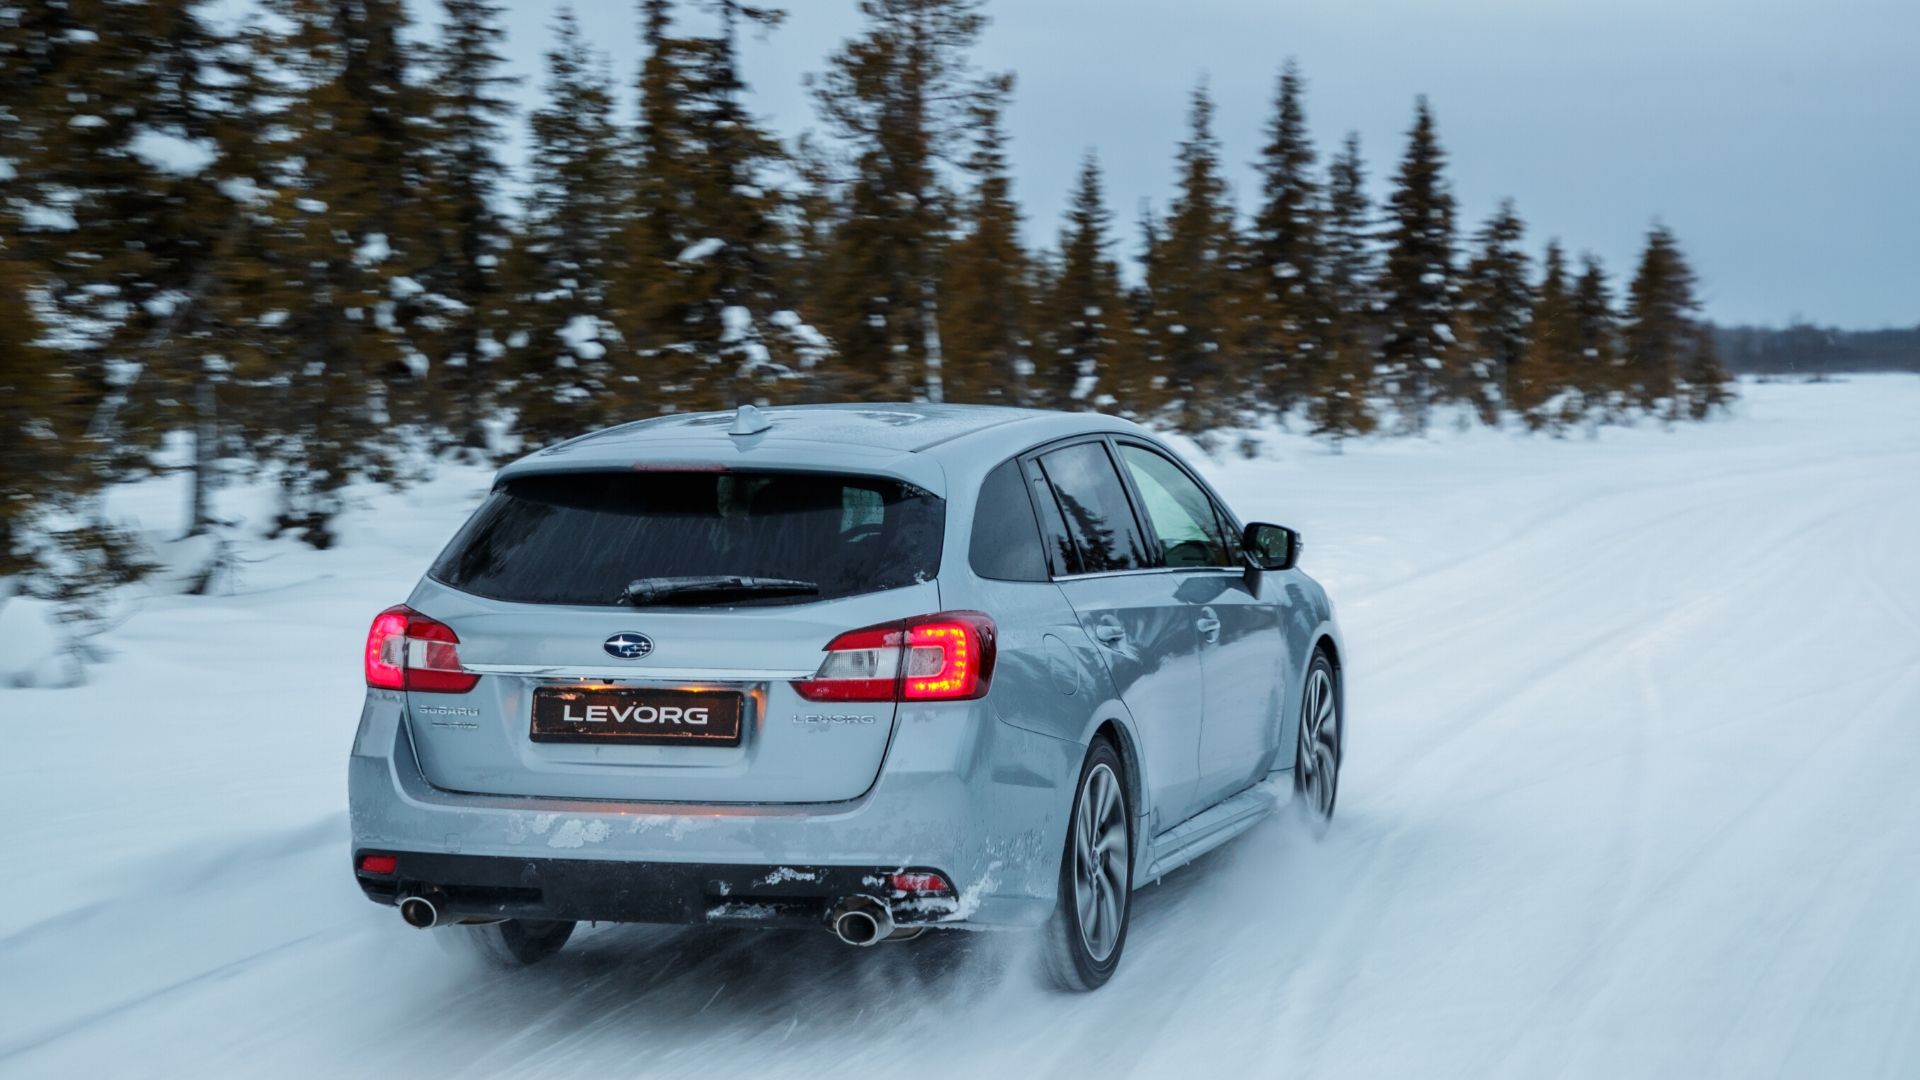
(869, 668)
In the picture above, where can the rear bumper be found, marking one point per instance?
(596, 890)
(979, 801)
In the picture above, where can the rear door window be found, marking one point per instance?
(580, 538)
(1094, 509)
(1181, 515)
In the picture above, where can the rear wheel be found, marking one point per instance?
(1316, 771)
(1089, 925)
(511, 942)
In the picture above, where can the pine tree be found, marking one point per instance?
(564, 346)
(1600, 374)
(347, 246)
(705, 303)
(1496, 306)
(1418, 288)
(984, 282)
(1670, 354)
(1541, 387)
(1659, 333)
(1086, 348)
(122, 213)
(1338, 397)
(1287, 320)
(1190, 276)
(900, 95)
(137, 135)
(651, 298)
(661, 157)
(35, 418)
(767, 350)
(815, 216)
(215, 362)
(467, 118)
(1708, 383)
(37, 47)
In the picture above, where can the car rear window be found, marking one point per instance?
(580, 538)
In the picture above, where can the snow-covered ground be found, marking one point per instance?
(1634, 789)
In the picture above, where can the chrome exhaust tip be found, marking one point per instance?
(419, 912)
(861, 920)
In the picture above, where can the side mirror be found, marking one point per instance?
(1271, 547)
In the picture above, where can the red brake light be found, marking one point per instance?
(379, 864)
(943, 661)
(386, 649)
(408, 651)
(944, 657)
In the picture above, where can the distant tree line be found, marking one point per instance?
(1817, 351)
(292, 240)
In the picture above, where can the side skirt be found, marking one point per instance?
(1216, 825)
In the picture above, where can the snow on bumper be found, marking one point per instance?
(980, 801)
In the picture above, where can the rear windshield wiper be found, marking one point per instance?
(658, 590)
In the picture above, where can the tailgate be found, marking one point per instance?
(789, 749)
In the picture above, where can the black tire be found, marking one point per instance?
(510, 943)
(1322, 735)
(1070, 952)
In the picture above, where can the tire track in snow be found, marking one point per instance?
(189, 869)
(118, 1009)
(1370, 898)
(1693, 863)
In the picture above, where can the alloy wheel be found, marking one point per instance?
(1319, 766)
(1100, 859)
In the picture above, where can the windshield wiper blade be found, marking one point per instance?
(654, 590)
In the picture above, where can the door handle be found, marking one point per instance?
(1110, 633)
(1209, 627)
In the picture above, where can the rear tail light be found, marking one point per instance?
(944, 657)
(408, 651)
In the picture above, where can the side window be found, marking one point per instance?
(1181, 514)
(1061, 558)
(1006, 539)
(1094, 509)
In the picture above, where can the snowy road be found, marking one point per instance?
(1634, 789)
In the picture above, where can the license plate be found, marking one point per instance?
(638, 717)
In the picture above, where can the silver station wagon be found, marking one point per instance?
(868, 668)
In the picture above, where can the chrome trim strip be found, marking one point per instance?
(634, 674)
(1235, 571)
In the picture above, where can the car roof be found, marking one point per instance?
(909, 427)
(920, 442)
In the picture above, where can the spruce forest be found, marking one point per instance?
(291, 246)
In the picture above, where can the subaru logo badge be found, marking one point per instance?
(628, 646)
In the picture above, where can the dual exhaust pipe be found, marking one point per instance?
(419, 912)
(861, 921)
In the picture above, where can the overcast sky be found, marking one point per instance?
(1780, 139)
